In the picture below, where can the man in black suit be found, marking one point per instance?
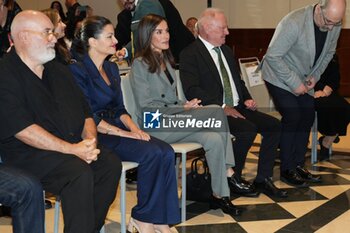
(209, 72)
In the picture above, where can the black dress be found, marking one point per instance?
(333, 111)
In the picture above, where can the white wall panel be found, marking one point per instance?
(257, 13)
(190, 8)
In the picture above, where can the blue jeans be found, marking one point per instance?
(24, 194)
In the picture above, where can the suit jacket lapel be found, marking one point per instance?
(95, 75)
(309, 29)
(203, 51)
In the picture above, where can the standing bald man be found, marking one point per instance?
(47, 128)
(300, 50)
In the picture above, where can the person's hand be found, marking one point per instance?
(194, 103)
(86, 150)
(301, 90)
(120, 54)
(231, 111)
(310, 83)
(250, 104)
(319, 94)
(141, 135)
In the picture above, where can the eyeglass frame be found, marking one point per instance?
(46, 34)
(328, 22)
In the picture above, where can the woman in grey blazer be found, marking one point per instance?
(153, 81)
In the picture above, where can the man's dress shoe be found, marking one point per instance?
(269, 188)
(307, 176)
(240, 187)
(293, 178)
(225, 205)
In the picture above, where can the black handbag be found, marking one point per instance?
(198, 184)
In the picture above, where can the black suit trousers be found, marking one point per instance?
(245, 131)
(298, 113)
(86, 190)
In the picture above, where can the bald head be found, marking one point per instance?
(212, 26)
(335, 9)
(28, 20)
(329, 13)
(33, 37)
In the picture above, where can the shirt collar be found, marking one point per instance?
(208, 45)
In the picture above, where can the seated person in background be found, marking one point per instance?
(153, 81)
(191, 25)
(24, 194)
(209, 72)
(333, 111)
(157, 204)
(58, 6)
(47, 129)
(62, 52)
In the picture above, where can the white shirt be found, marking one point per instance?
(215, 58)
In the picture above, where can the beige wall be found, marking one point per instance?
(240, 13)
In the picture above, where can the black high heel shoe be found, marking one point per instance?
(324, 151)
(336, 140)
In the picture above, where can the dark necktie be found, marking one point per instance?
(225, 79)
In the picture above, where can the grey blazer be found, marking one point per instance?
(154, 90)
(290, 57)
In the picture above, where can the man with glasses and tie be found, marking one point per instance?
(209, 72)
(302, 46)
(47, 128)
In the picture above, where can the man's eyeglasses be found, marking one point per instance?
(328, 22)
(46, 34)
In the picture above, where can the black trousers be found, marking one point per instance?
(298, 115)
(86, 190)
(245, 131)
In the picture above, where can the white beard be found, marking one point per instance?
(51, 53)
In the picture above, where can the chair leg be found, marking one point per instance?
(183, 188)
(177, 170)
(122, 203)
(57, 215)
(314, 141)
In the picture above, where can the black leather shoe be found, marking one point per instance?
(324, 151)
(307, 176)
(336, 140)
(292, 178)
(225, 205)
(269, 188)
(241, 187)
(48, 204)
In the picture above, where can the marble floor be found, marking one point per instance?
(321, 208)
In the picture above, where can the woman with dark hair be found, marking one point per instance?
(154, 84)
(62, 52)
(58, 6)
(333, 111)
(157, 204)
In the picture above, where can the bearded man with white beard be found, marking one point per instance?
(47, 128)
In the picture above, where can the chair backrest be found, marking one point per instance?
(255, 84)
(128, 96)
(180, 91)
